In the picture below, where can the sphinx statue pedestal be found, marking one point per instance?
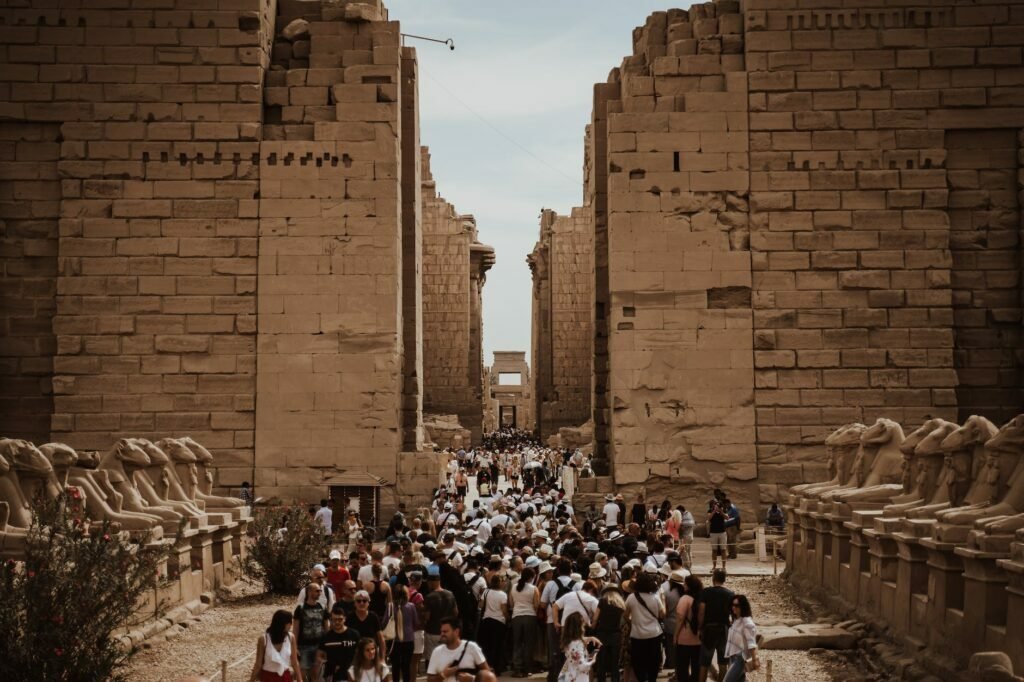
(947, 631)
(1014, 568)
(878, 595)
(984, 598)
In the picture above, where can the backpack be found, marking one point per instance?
(563, 589)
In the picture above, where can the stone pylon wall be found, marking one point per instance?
(330, 379)
(831, 193)
(207, 232)
(453, 381)
(562, 266)
(158, 111)
(886, 231)
(680, 388)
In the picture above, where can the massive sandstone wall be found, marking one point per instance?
(211, 228)
(453, 267)
(802, 217)
(562, 267)
(142, 261)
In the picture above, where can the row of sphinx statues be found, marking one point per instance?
(141, 487)
(960, 480)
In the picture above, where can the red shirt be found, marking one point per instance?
(337, 578)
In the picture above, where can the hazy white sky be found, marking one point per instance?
(504, 115)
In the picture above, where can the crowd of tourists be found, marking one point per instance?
(503, 576)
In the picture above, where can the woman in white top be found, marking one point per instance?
(741, 647)
(493, 624)
(276, 652)
(353, 530)
(524, 601)
(645, 611)
(365, 666)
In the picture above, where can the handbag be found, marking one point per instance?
(390, 630)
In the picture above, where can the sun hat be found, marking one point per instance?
(532, 562)
(679, 575)
(665, 570)
(641, 548)
(544, 567)
(591, 547)
(615, 535)
(650, 568)
(597, 571)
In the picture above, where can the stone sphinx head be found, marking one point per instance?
(130, 454)
(60, 456)
(204, 456)
(1010, 438)
(88, 459)
(157, 457)
(177, 451)
(917, 435)
(976, 431)
(24, 457)
(846, 435)
(883, 431)
(931, 443)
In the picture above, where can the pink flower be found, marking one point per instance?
(106, 538)
(58, 651)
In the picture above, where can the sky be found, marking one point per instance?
(504, 117)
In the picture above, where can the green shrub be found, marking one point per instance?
(281, 560)
(77, 585)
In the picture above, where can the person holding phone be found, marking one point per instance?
(579, 651)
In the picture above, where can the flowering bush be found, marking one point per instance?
(76, 586)
(284, 543)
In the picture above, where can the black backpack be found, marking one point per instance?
(563, 589)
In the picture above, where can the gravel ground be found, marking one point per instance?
(229, 631)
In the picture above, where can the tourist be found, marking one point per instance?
(416, 599)
(580, 601)
(686, 639)
(741, 648)
(461, 484)
(611, 512)
(608, 629)
(686, 526)
(455, 660)
(311, 622)
(716, 532)
(578, 651)
(406, 620)
(368, 665)
(638, 513)
(524, 601)
(337, 647)
(732, 527)
(277, 653)
(336, 575)
(347, 597)
(494, 624)
(438, 604)
(327, 597)
(380, 593)
(245, 493)
(645, 612)
(671, 591)
(325, 516)
(714, 613)
(775, 520)
(675, 519)
(366, 622)
(553, 591)
(353, 531)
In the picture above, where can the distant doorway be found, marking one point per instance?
(507, 415)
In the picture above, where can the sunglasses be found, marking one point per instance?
(362, 601)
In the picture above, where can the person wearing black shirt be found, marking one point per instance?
(716, 531)
(713, 615)
(638, 514)
(365, 621)
(337, 647)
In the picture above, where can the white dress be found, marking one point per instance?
(577, 663)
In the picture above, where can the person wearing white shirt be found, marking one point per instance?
(325, 516)
(581, 601)
(455, 656)
(611, 512)
(483, 529)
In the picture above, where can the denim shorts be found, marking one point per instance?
(307, 655)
